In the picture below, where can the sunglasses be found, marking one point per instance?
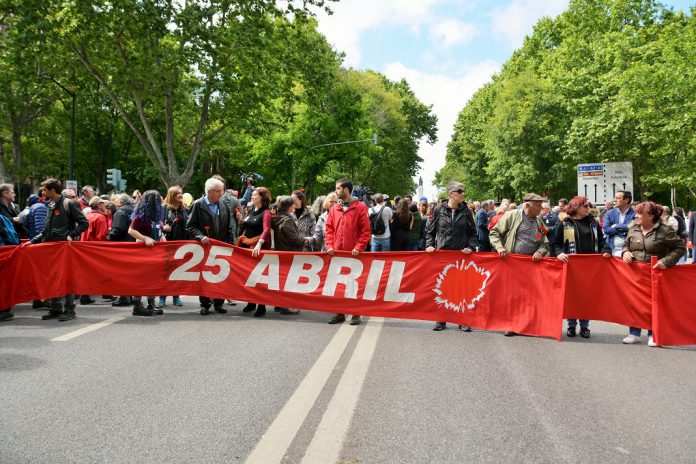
(460, 191)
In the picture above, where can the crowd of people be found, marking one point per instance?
(343, 220)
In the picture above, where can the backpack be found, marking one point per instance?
(8, 234)
(377, 225)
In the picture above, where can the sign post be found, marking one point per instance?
(599, 182)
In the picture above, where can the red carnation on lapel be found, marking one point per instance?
(460, 285)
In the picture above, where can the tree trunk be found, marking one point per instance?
(17, 149)
(4, 176)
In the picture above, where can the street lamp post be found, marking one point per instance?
(72, 122)
(294, 167)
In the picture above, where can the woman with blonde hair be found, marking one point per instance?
(316, 241)
(175, 217)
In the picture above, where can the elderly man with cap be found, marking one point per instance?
(522, 231)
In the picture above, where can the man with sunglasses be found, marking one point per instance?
(452, 227)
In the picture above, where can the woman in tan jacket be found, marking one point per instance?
(648, 236)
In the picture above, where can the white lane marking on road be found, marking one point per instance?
(328, 439)
(280, 434)
(90, 328)
(622, 450)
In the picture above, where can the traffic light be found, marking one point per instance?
(113, 177)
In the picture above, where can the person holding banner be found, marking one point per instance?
(146, 227)
(649, 236)
(211, 218)
(347, 229)
(522, 232)
(287, 235)
(257, 234)
(452, 227)
(578, 233)
(65, 223)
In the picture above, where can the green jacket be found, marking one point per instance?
(662, 241)
(503, 234)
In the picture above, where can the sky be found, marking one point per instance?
(445, 49)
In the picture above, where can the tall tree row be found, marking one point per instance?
(173, 91)
(607, 80)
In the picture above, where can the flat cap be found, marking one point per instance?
(533, 197)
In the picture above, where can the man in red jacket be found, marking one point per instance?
(347, 229)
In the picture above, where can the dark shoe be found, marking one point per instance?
(584, 332)
(260, 311)
(249, 308)
(40, 304)
(157, 312)
(509, 334)
(140, 310)
(439, 326)
(465, 328)
(355, 320)
(337, 319)
(122, 302)
(52, 314)
(287, 312)
(86, 301)
(66, 316)
(571, 332)
(6, 316)
(220, 309)
(108, 297)
(177, 301)
(205, 311)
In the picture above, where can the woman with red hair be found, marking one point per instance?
(579, 233)
(648, 236)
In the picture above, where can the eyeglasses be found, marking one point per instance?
(460, 191)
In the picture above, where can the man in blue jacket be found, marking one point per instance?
(617, 220)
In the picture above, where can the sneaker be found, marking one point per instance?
(140, 310)
(355, 320)
(161, 303)
(584, 332)
(177, 301)
(631, 340)
(52, 314)
(205, 311)
(122, 301)
(337, 319)
(260, 311)
(439, 326)
(651, 342)
(570, 332)
(6, 316)
(288, 312)
(66, 316)
(465, 328)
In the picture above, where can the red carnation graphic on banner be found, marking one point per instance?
(460, 285)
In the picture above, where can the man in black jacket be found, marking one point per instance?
(211, 218)
(452, 227)
(9, 209)
(65, 222)
(119, 232)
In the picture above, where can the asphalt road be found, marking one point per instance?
(182, 388)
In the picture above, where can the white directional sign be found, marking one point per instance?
(599, 182)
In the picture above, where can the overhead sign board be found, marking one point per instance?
(599, 182)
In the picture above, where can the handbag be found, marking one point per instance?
(245, 242)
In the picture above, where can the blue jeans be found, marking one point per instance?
(574, 322)
(636, 331)
(381, 244)
(415, 244)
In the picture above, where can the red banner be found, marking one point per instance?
(476, 290)
(480, 289)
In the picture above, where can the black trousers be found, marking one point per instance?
(205, 302)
